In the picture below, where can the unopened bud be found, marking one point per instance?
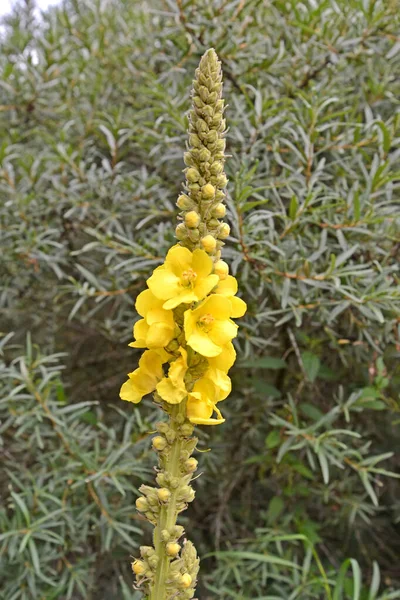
(165, 535)
(192, 219)
(192, 175)
(219, 211)
(194, 235)
(172, 548)
(138, 567)
(153, 561)
(181, 231)
(163, 494)
(213, 223)
(184, 202)
(209, 243)
(185, 581)
(142, 504)
(222, 180)
(221, 269)
(208, 191)
(191, 465)
(204, 155)
(216, 168)
(224, 231)
(186, 429)
(187, 493)
(194, 140)
(159, 443)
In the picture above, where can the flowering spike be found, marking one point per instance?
(186, 328)
(205, 178)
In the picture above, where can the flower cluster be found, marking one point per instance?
(187, 329)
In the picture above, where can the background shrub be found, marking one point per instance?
(302, 477)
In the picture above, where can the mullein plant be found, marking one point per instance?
(187, 329)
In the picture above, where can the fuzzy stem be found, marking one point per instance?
(168, 514)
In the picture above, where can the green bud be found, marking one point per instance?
(192, 175)
(204, 155)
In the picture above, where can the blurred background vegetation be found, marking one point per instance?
(299, 497)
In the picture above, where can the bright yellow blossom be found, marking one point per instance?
(172, 389)
(144, 379)
(221, 382)
(157, 327)
(228, 287)
(208, 327)
(202, 403)
(185, 277)
(225, 360)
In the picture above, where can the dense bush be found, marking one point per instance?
(301, 478)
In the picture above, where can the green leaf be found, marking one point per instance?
(275, 508)
(273, 439)
(311, 364)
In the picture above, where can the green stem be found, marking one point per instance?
(168, 513)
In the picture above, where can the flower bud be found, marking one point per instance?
(172, 548)
(165, 535)
(153, 560)
(204, 155)
(192, 175)
(184, 202)
(219, 211)
(181, 231)
(185, 581)
(159, 443)
(213, 223)
(209, 243)
(224, 231)
(221, 269)
(194, 235)
(212, 137)
(222, 180)
(142, 504)
(192, 219)
(191, 465)
(138, 567)
(163, 494)
(216, 168)
(194, 140)
(208, 191)
(186, 429)
(187, 493)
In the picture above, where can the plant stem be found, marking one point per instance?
(168, 513)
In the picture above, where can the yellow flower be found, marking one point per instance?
(144, 379)
(202, 403)
(185, 277)
(157, 328)
(208, 327)
(228, 287)
(221, 381)
(225, 360)
(172, 389)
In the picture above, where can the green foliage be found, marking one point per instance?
(299, 495)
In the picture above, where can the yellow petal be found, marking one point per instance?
(130, 392)
(201, 343)
(169, 392)
(221, 382)
(206, 388)
(227, 287)
(183, 297)
(199, 411)
(202, 263)
(204, 286)
(150, 364)
(164, 283)
(140, 330)
(179, 259)
(178, 368)
(239, 307)
(159, 335)
(159, 315)
(222, 332)
(225, 360)
(146, 301)
(218, 306)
